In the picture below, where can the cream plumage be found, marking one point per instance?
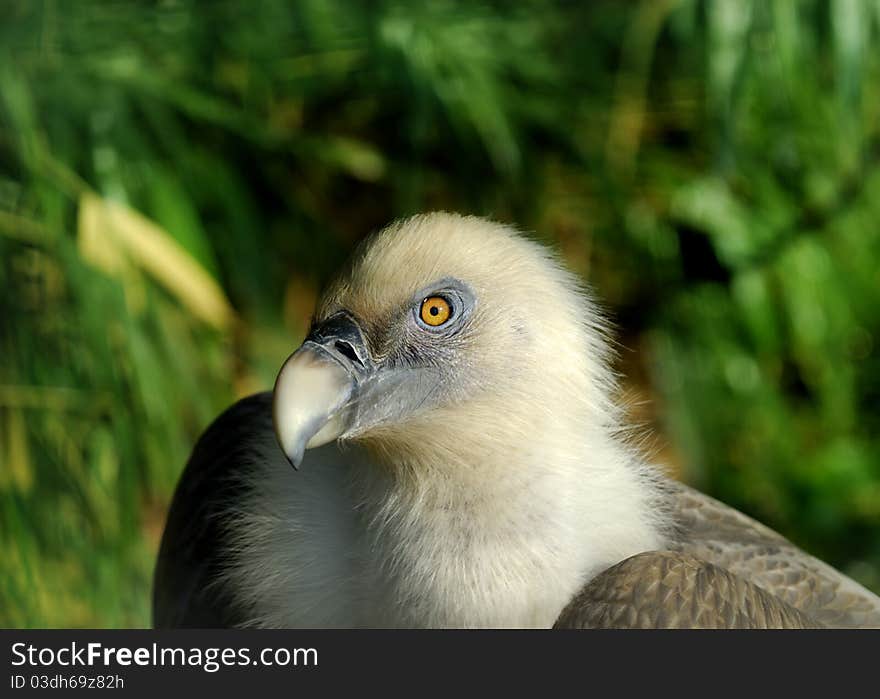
(470, 474)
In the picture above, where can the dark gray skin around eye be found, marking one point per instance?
(457, 294)
(407, 341)
(420, 344)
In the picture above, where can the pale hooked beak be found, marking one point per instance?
(316, 385)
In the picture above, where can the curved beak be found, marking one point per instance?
(316, 384)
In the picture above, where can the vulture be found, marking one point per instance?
(460, 460)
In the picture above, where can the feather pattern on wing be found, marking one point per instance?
(722, 570)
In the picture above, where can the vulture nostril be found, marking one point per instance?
(345, 349)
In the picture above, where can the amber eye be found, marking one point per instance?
(435, 311)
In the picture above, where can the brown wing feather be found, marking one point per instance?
(668, 590)
(713, 532)
(723, 570)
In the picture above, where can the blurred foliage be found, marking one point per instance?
(177, 179)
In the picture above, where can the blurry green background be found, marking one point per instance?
(177, 179)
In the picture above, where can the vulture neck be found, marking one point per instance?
(490, 520)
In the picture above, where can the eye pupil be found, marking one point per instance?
(434, 310)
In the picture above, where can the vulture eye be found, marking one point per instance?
(435, 311)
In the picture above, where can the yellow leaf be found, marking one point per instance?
(95, 241)
(113, 236)
(19, 470)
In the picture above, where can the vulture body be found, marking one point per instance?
(462, 465)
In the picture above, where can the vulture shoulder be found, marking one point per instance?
(189, 582)
(722, 570)
(671, 590)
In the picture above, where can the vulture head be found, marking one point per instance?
(446, 336)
